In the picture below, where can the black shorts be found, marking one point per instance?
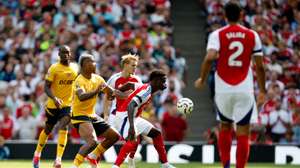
(54, 115)
(98, 123)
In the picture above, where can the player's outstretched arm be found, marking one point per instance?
(82, 96)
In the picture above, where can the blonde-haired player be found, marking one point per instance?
(124, 81)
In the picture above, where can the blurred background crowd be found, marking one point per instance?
(278, 24)
(32, 30)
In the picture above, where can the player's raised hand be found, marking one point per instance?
(199, 83)
(58, 102)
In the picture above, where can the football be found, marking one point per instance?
(185, 105)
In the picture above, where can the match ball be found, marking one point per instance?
(185, 105)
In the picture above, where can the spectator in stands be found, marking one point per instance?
(280, 122)
(274, 81)
(173, 124)
(7, 124)
(27, 125)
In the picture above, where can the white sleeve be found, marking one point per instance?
(213, 41)
(257, 50)
(138, 83)
(112, 81)
(143, 96)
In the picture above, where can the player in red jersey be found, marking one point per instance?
(120, 80)
(233, 46)
(128, 120)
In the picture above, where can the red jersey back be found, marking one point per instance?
(235, 45)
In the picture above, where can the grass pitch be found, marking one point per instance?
(67, 164)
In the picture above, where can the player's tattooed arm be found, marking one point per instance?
(82, 96)
(111, 93)
(132, 107)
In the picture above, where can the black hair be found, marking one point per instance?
(62, 49)
(232, 11)
(156, 74)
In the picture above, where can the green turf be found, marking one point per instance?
(67, 164)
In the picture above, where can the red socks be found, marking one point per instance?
(224, 144)
(242, 151)
(132, 153)
(160, 148)
(128, 147)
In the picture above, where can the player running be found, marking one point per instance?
(125, 80)
(87, 87)
(233, 46)
(58, 87)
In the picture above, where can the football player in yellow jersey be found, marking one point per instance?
(84, 118)
(58, 87)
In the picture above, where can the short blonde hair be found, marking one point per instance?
(125, 59)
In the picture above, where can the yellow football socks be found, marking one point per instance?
(78, 160)
(41, 143)
(61, 143)
(97, 151)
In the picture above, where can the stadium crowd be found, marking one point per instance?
(278, 24)
(31, 32)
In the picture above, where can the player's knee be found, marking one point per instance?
(64, 127)
(64, 122)
(48, 129)
(114, 137)
(92, 144)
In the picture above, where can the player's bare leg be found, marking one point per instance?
(224, 143)
(43, 137)
(62, 139)
(243, 147)
(111, 137)
(159, 145)
(88, 134)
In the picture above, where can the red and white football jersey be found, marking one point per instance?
(235, 45)
(116, 81)
(142, 96)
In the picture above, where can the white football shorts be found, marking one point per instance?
(121, 124)
(239, 108)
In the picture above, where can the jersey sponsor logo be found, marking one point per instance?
(65, 82)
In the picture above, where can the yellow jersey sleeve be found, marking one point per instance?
(51, 73)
